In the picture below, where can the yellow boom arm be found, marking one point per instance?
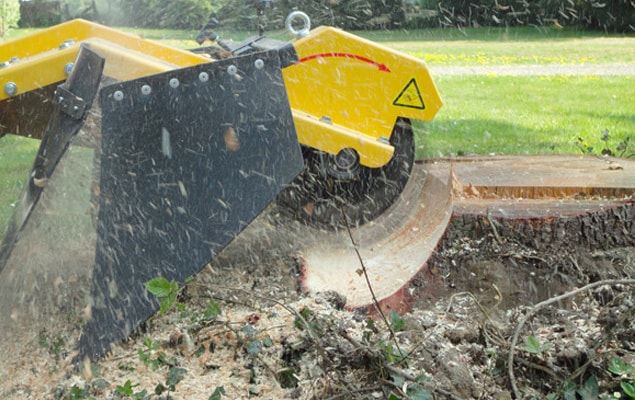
(41, 58)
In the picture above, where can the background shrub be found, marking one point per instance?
(607, 15)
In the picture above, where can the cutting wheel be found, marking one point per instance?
(323, 194)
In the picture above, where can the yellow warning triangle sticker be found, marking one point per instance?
(410, 96)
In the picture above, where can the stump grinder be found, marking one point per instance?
(152, 159)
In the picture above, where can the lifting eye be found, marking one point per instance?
(295, 18)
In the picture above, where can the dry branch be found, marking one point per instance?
(536, 308)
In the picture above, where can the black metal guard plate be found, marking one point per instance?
(189, 158)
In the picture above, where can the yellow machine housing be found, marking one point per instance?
(345, 91)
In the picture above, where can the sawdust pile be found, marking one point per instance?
(271, 342)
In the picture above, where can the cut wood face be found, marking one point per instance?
(392, 249)
(546, 177)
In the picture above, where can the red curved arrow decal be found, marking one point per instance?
(381, 67)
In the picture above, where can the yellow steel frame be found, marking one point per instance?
(39, 59)
(345, 92)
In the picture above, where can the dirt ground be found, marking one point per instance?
(474, 300)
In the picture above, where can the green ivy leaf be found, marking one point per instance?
(218, 393)
(568, 391)
(590, 390)
(78, 393)
(628, 389)
(533, 345)
(618, 367)
(254, 347)
(267, 342)
(125, 389)
(250, 331)
(398, 380)
(165, 291)
(175, 375)
(396, 321)
(417, 393)
(212, 310)
(159, 287)
(159, 389)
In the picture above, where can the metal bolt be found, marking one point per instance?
(5, 64)
(259, 64)
(118, 95)
(203, 77)
(68, 68)
(10, 88)
(14, 59)
(174, 83)
(232, 70)
(146, 89)
(66, 44)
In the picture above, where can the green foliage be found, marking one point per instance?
(570, 391)
(611, 15)
(53, 344)
(350, 14)
(628, 389)
(127, 390)
(17, 154)
(626, 373)
(78, 393)
(218, 394)
(306, 316)
(623, 148)
(171, 14)
(618, 367)
(396, 322)
(590, 390)
(9, 15)
(212, 310)
(165, 291)
(175, 375)
(392, 353)
(253, 341)
(149, 355)
(534, 346)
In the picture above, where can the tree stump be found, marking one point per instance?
(546, 203)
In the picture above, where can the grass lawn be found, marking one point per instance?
(16, 158)
(498, 46)
(528, 115)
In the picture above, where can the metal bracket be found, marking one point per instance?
(69, 103)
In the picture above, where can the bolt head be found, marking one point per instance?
(10, 88)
